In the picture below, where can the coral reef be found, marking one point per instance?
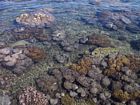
(125, 96)
(115, 63)
(67, 100)
(100, 40)
(33, 19)
(134, 62)
(30, 96)
(6, 80)
(83, 65)
(35, 53)
(14, 59)
(47, 84)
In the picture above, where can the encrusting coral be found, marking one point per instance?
(83, 65)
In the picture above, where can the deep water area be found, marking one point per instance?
(69, 52)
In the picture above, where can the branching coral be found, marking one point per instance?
(83, 66)
(115, 64)
(30, 96)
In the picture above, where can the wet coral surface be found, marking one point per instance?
(69, 52)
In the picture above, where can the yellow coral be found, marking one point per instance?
(83, 66)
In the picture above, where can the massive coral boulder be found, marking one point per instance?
(31, 96)
(100, 40)
(33, 19)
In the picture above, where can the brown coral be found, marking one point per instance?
(125, 96)
(83, 66)
(100, 40)
(121, 95)
(134, 62)
(30, 96)
(35, 53)
(115, 64)
(67, 100)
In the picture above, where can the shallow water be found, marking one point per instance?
(75, 19)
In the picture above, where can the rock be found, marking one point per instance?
(48, 84)
(73, 94)
(69, 75)
(128, 88)
(58, 95)
(106, 82)
(100, 40)
(116, 85)
(135, 44)
(83, 40)
(53, 101)
(133, 28)
(94, 90)
(68, 85)
(74, 87)
(132, 103)
(102, 96)
(125, 20)
(82, 92)
(68, 48)
(61, 58)
(58, 35)
(5, 100)
(5, 51)
(84, 81)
